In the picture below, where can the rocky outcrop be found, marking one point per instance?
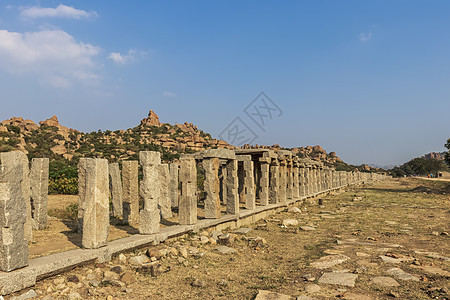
(435, 155)
(151, 120)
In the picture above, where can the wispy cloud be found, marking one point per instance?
(54, 57)
(122, 59)
(364, 37)
(61, 11)
(168, 94)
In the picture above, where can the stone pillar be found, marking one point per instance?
(223, 170)
(212, 188)
(150, 192)
(232, 185)
(130, 182)
(165, 203)
(248, 184)
(26, 192)
(308, 177)
(264, 181)
(173, 183)
(95, 202)
(282, 183)
(301, 183)
(115, 184)
(296, 181)
(39, 192)
(289, 179)
(274, 189)
(13, 213)
(187, 212)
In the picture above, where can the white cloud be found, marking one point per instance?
(122, 59)
(364, 37)
(168, 94)
(61, 11)
(53, 56)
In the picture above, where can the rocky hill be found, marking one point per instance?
(435, 155)
(51, 139)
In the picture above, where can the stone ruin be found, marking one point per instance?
(235, 181)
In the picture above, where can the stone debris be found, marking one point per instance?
(290, 222)
(268, 295)
(28, 295)
(242, 230)
(432, 255)
(294, 209)
(307, 228)
(393, 260)
(225, 249)
(400, 274)
(345, 279)
(329, 261)
(384, 281)
(312, 288)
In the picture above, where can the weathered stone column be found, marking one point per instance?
(274, 189)
(165, 203)
(130, 182)
(212, 188)
(264, 181)
(248, 181)
(282, 184)
(296, 181)
(187, 213)
(150, 191)
(26, 192)
(289, 179)
(223, 170)
(232, 186)
(173, 183)
(95, 202)
(308, 180)
(301, 183)
(115, 184)
(13, 213)
(39, 192)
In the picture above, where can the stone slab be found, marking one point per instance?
(345, 279)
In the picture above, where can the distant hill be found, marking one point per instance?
(51, 139)
(435, 155)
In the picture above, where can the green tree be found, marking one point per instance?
(447, 155)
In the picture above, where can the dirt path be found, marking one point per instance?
(390, 240)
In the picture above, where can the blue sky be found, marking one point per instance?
(367, 79)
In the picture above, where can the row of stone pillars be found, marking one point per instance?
(246, 178)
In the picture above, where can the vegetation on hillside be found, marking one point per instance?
(419, 166)
(447, 155)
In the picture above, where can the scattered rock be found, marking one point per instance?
(307, 228)
(204, 239)
(243, 230)
(309, 277)
(122, 258)
(198, 283)
(183, 252)
(294, 209)
(329, 261)
(268, 295)
(117, 269)
(312, 288)
(58, 280)
(384, 281)
(290, 222)
(153, 269)
(226, 239)
(74, 296)
(152, 252)
(28, 295)
(400, 274)
(73, 279)
(138, 260)
(110, 275)
(225, 250)
(392, 260)
(127, 278)
(346, 279)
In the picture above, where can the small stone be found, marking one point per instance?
(73, 278)
(312, 288)
(122, 258)
(329, 261)
(212, 241)
(198, 283)
(74, 296)
(290, 222)
(268, 295)
(58, 280)
(110, 275)
(127, 278)
(223, 282)
(394, 294)
(226, 239)
(384, 281)
(307, 228)
(173, 251)
(309, 277)
(90, 276)
(444, 233)
(225, 250)
(400, 274)
(138, 260)
(435, 233)
(295, 209)
(243, 230)
(184, 252)
(117, 269)
(28, 295)
(152, 252)
(204, 239)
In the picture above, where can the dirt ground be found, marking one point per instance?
(369, 232)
